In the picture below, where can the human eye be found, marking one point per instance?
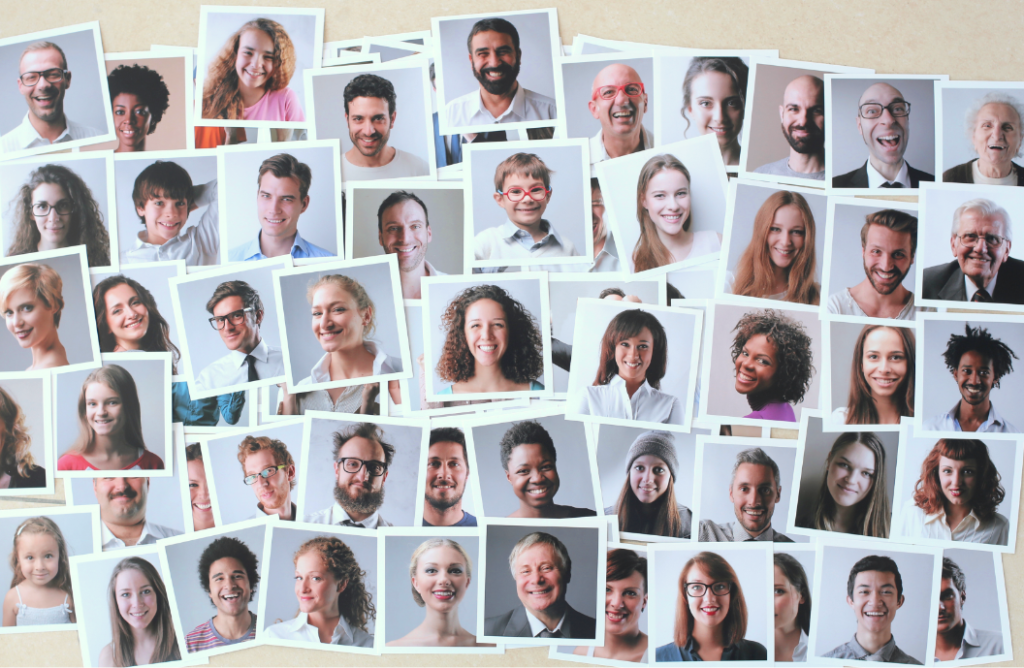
(968, 472)
(779, 591)
(704, 103)
(193, 484)
(317, 313)
(455, 571)
(119, 112)
(658, 470)
(801, 232)
(735, 103)
(844, 466)
(158, 202)
(430, 570)
(523, 471)
(765, 361)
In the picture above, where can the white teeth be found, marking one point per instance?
(487, 349)
(203, 506)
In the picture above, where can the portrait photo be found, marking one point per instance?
(989, 626)
(449, 484)
(794, 579)
(772, 246)
(26, 434)
(249, 65)
(39, 67)
(979, 136)
(675, 216)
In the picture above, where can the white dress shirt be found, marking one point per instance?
(232, 369)
(24, 136)
(875, 179)
(526, 105)
(800, 651)
(300, 629)
(536, 626)
(151, 533)
(599, 153)
(506, 241)
(196, 245)
(972, 287)
(994, 423)
(403, 165)
(608, 258)
(915, 524)
(382, 363)
(336, 515)
(647, 404)
(977, 642)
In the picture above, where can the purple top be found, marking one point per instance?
(778, 411)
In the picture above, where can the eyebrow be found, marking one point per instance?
(841, 457)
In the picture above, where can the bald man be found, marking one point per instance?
(619, 102)
(802, 113)
(883, 119)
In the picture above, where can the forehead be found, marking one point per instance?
(858, 453)
(40, 59)
(442, 554)
(759, 343)
(310, 560)
(538, 553)
(25, 295)
(37, 541)
(229, 304)
(288, 185)
(226, 565)
(999, 111)
(405, 211)
(367, 106)
(882, 93)
(99, 390)
(972, 219)
(650, 460)
(803, 91)
(643, 335)
(48, 190)
(883, 337)
(120, 292)
(875, 579)
(329, 293)
(491, 39)
(484, 308)
(880, 235)
(697, 573)
(256, 39)
(616, 75)
(132, 577)
(529, 451)
(446, 450)
(357, 446)
(135, 483)
(755, 474)
(256, 461)
(668, 179)
(975, 358)
(949, 462)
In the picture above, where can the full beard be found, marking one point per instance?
(367, 503)
(814, 143)
(501, 86)
(446, 503)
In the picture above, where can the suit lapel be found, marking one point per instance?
(518, 624)
(954, 288)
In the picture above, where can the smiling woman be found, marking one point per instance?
(31, 300)
(138, 99)
(714, 91)
(882, 377)
(140, 617)
(773, 364)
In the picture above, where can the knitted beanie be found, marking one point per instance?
(658, 443)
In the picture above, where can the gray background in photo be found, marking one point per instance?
(28, 394)
(847, 259)
(816, 451)
(84, 102)
(305, 350)
(201, 168)
(939, 389)
(444, 210)
(400, 487)
(318, 225)
(204, 343)
(848, 149)
(280, 585)
(578, 81)
(934, 239)
(76, 527)
(956, 147)
(409, 132)
(910, 623)
(565, 210)
(563, 296)
(537, 72)
(163, 503)
(695, 283)
(194, 604)
(526, 292)
(236, 500)
(93, 171)
(388, 53)
(153, 279)
(575, 482)
(664, 587)
(765, 142)
(670, 102)
(613, 444)
(584, 550)
(723, 399)
(587, 348)
(840, 359)
(301, 28)
(403, 613)
(716, 479)
(152, 385)
(981, 606)
(806, 559)
(93, 610)
(470, 503)
(414, 323)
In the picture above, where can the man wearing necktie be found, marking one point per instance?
(982, 270)
(754, 490)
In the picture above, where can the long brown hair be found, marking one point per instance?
(37, 525)
(734, 626)
(661, 520)
(987, 495)
(627, 324)
(860, 404)
(120, 381)
(158, 336)
(221, 98)
(123, 641)
(15, 443)
(872, 513)
(649, 251)
(755, 273)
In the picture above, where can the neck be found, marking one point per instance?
(111, 445)
(235, 627)
(276, 246)
(890, 172)
(248, 349)
(973, 414)
(446, 517)
(49, 130)
(357, 516)
(731, 153)
(633, 385)
(411, 287)
(143, 636)
(623, 642)
(786, 640)
(873, 642)
(551, 616)
(535, 512)
(781, 280)
(489, 376)
(955, 514)
(48, 353)
(325, 620)
(284, 512)
(536, 230)
(994, 171)
(497, 104)
(875, 304)
(886, 409)
(708, 637)
(443, 623)
(250, 96)
(951, 640)
(844, 518)
(349, 362)
(123, 346)
(378, 159)
(620, 145)
(678, 245)
(46, 244)
(806, 163)
(754, 535)
(127, 533)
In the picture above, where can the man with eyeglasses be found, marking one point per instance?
(361, 461)
(269, 469)
(883, 119)
(237, 312)
(983, 270)
(43, 80)
(619, 102)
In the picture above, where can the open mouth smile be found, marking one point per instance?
(444, 594)
(23, 334)
(616, 616)
(891, 141)
(884, 383)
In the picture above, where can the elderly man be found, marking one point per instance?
(619, 102)
(954, 638)
(983, 270)
(883, 119)
(754, 490)
(43, 80)
(542, 569)
(123, 522)
(994, 130)
(802, 113)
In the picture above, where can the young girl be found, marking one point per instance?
(41, 587)
(249, 78)
(110, 426)
(140, 618)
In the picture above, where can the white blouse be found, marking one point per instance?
(382, 363)
(613, 401)
(300, 629)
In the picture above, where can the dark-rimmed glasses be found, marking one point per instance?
(42, 209)
(374, 468)
(55, 75)
(698, 589)
(236, 318)
(873, 110)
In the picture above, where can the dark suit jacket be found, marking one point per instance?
(946, 281)
(514, 624)
(858, 178)
(965, 173)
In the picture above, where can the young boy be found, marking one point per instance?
(164, 196)
(523, 189)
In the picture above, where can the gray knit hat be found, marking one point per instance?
(658, 443)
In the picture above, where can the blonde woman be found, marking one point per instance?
(31, 300)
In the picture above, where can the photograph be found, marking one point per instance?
(448, 486)
(979, 135)
(26, 434)
(984, 638)
(794, 577)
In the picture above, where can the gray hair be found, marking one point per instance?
(988, 209)
(759, 457)
(993, 97)
(531, 539)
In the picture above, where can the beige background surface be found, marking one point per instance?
(967, 41)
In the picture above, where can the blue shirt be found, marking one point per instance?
(300, 249)
(204, 412)
(466, 521)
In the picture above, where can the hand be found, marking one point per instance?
(370, 393)
(289, 404)
(395, 390)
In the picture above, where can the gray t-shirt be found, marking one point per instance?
(403, 165)
(781, 168)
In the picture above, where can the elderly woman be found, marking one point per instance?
(993, 126)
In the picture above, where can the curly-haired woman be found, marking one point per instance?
(773, 364)
(138, 100)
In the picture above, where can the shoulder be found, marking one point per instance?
(412, 160)
(941, 271)
(751, 650)
(283, 630)
(669, 652)
(538, 98)
(320, 516)
(1014, 266)
(198, 632)
(999, 520)
(72, 462)
(107, 655)
(837, 302)
(36, 478)
(960, 174)
(918, 175)
(852, 179)
(495, 626)
(150, 460)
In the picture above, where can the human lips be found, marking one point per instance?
(625, 115)
(23, 334)
(972, 391)
(538, 491)
(672, 218)
(443, 594)
(744, 378)
(540, 592)
(890, 141)
(876, 614)
(884, 382)
(710, 610)
(754, 512)
(616, 616)
(46, 100)
(204, 507)
(405, 251)
(168, 227)
(254, 73)
(886, 277)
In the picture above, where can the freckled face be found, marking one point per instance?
(755, 365)
(851, 474)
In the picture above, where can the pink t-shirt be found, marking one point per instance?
(76, 462)
(277, 105)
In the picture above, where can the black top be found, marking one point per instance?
(858, 178)
(36, 478)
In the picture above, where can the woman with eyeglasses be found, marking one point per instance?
(56, 209)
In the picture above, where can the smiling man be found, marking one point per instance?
(955, 638)
(542, 569)
(123, 522)
(43, 80)
(802, 114)
(403, 229)
(228, 573)
(282, 195)
(447, 474)
(883, 120)
(983, 270)
(874, 591)
(888, 243)
(754, 491)
(269, 469)
(619, 102)
(370, 111)
(361, 461)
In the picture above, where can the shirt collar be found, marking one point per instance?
(536, 626)
(338, 516)
(941, 517)
(261, 352)
(321, 372)
(875, 179)
(517, 107)
(599, 153)
(342, 630)
(608, 249)
(993, 418)
(252, 250)
(110, 540)
(644, 389)
(429, 268)
(740, 535)
(972, 287)
(970, 638)
(510, 231)
(29, 129)
(885, 652)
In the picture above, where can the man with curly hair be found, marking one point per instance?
(269, 469)
(229, 574)
(370, 112)
(755, 488)
(138, 99)
(977, 361)
(361, 461)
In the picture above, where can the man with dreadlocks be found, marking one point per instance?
(977, 361)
